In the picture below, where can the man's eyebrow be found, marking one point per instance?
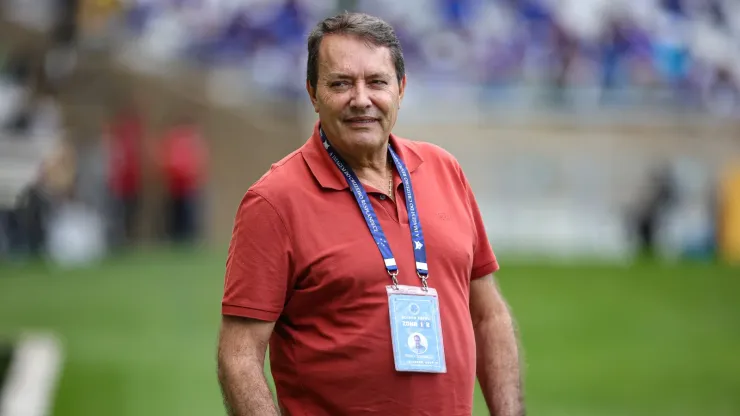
(377, 75)
(342, 75)
(338, 75)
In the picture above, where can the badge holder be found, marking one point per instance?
(416, 328)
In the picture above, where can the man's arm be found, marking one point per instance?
(241, 359)
(498, 366)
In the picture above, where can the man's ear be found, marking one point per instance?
(312, 95)
(401, 90)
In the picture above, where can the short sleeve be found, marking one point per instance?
(484, 260)
(258, 266)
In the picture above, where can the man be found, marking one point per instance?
(125, 139)
(184, 164)
(303, 271)
(418, 347)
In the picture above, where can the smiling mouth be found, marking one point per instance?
(361, 120)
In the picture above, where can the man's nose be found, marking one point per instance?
(361, 97)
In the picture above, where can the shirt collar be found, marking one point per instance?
(327, 173)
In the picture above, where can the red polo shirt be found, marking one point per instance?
(302, 255)
(126, 137)
(183, 158)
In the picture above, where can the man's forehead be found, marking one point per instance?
(350, 54)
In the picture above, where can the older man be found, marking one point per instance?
(362, 260)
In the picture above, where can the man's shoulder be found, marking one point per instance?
(284, 175)
(430, 152)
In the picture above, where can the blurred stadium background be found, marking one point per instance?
(601, 137)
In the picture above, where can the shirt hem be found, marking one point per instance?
(247, 312)
(484, 270)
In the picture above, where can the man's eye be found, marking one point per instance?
(379, 82)
(339, 84)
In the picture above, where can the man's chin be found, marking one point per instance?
(362, 126)
(365, 137)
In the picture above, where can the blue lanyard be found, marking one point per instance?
(367, 210)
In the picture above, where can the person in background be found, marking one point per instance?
(124, 137)
(661, 194)
(54, 186)
(183, 157)
(565, 48)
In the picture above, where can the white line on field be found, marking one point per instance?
(32, 377)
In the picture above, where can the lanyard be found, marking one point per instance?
(417, 236)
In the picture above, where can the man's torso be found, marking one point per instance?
(331, 351)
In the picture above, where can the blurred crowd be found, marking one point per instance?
(676, 53)
(72, 199)
(686, 50)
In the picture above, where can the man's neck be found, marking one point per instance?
(370, 165)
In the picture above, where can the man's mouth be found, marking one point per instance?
(361, 120)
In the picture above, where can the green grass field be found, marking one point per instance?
(140, 334)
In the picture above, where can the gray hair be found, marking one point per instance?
(369, 28)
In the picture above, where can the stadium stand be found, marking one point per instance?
(619, 47)
(582, 67)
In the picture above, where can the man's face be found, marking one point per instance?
(417, 339)
(357, 94)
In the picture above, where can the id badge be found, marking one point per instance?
(416, 330)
